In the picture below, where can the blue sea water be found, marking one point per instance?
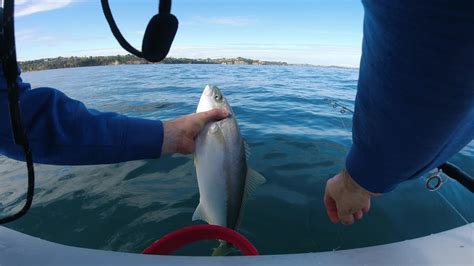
(297, 142)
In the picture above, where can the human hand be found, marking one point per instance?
(345, 200)
(180, 134)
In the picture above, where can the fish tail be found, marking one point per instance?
(223, 249)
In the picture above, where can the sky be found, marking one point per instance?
(319, 32)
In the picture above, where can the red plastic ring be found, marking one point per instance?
(179, 238)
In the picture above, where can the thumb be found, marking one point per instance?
(212, 115)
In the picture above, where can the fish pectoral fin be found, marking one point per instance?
(254, 180)
(200, 214)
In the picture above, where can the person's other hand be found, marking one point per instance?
(345, 200)
(180, 134)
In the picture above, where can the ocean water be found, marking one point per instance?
(297, 142)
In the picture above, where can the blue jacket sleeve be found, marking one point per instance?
(415, 101)
(63, 131)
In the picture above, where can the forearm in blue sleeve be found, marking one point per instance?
(63, 131)
(415, 101)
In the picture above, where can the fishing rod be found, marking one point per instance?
(433, 182)
(335, 104)
(453, 172)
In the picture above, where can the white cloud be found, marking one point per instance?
(296, 54)
(96, 52)
(25, 35)
(28, 7)
(231, 21)
(223, 21)
(34, 35)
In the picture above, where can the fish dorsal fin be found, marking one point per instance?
(247, 149)
(252, 181)
(200, 214)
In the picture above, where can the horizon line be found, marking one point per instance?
(192, 58)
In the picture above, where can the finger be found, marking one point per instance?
(331, 208)
(366, 209)
(358, 215)
(214, 114)
(347, 220)
(345, 215)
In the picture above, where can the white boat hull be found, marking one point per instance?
(455, 246)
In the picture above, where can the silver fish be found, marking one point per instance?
(224, 179)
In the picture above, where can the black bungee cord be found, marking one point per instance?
(11, 73)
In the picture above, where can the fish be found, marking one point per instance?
(225, 181)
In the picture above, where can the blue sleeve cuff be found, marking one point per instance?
(143, 139)
(370, 172)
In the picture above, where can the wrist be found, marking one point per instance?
(169, 143)
(352, 185)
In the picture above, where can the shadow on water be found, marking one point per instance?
(136, 107)
(151, 167)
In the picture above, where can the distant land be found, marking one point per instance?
(74, 61)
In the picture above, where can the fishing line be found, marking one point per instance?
(435, 187)
(344, 125)
(452, 206)
(341, 108)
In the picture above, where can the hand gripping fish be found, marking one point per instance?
(224, 179)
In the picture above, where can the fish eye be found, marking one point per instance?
(218, 97)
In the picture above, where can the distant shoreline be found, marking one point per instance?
(75, 61)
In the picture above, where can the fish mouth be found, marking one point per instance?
(209, 90)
